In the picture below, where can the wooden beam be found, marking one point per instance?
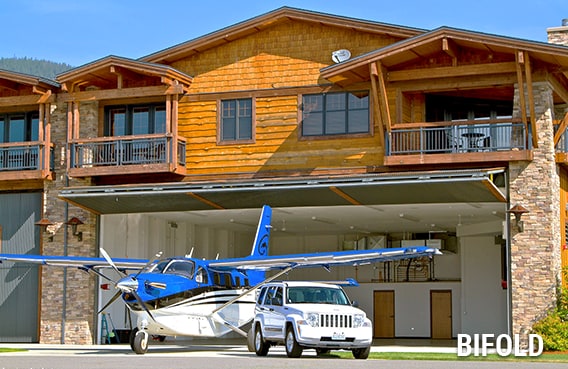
(25, 100)
(69, 128)
(376, 103)
(384, 95)
(449, 47)
(115, 94)
(519, 57)
(175, 124)
(76, 120)
(345, 196)
(457, 71)
(47, 137)
(558, 87)
(205, 201)
(528, 76)
(45, 94)
(561, 128)
(457, 83)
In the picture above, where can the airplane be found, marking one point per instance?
(187, 296)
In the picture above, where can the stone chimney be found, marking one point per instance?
(559, 35)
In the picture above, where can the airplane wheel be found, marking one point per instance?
(140, 343)
(260, 346)
(293, 349)
(131, 338)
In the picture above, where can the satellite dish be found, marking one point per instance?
(339, 56)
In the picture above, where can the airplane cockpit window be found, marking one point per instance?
(183, 267)
(156, 267)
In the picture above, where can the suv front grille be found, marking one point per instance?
(336, 320)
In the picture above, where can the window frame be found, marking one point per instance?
(30, 118)
(346, 110)
(233, 141)
(129, 113)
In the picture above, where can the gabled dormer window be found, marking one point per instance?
(125, 120)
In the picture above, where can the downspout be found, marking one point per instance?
(65, 240)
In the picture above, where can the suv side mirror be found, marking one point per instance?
(355, 304)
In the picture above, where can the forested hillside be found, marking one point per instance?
(41, 68)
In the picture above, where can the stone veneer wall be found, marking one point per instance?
(535, 252)
(80, 296)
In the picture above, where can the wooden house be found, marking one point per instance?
(358, 133)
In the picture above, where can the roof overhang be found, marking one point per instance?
(447, 40)
(262, 22)
(104, 73)
(401, 188)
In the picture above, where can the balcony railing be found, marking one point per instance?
(125, 152)
(481, 140)
(457, 137)
(23, 156)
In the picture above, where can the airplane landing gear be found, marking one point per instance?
(139, 341)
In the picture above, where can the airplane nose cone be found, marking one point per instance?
(127, 284)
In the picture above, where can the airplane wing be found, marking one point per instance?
(356, 257)
(74, 261)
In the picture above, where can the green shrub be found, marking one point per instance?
(554, 327)
(554, 332)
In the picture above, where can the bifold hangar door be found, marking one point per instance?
(19, 282)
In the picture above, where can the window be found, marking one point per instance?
(335, 113)
(135, 120)
(236, 120)
(19, 127)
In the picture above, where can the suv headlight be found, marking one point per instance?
(313, 319)
(358, 320)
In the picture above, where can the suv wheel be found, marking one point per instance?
(361, 353)
(260, 347)
(293, 349)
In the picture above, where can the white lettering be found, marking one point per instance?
(476, 344)
(517, 342)
(464, 345)
(485, 343)
(499, 345)
(504, 345)
(531, 345)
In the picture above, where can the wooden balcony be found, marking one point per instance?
(147, 154)
(25, 161)
(458, 142)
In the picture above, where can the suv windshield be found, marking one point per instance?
(316, 295)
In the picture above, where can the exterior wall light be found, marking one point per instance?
(44, 223)
(518, 211)
(74, 222)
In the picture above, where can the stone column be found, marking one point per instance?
(535, 252)
(67, 296)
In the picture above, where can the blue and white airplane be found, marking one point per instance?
(185, 296)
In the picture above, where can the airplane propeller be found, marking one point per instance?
(129, 284)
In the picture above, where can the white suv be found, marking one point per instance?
(308, 315)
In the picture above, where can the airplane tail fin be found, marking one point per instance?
(260, 245)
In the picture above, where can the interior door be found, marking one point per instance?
(383, 314)
(441, 314)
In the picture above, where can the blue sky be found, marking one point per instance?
(80, 31)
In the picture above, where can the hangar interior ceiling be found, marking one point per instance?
(383, 219)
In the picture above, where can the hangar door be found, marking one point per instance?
(19, 282)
